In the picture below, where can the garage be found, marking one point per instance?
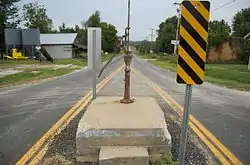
(59, 46)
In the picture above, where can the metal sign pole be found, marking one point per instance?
(183, 137)
(94, 65)
(177, 29)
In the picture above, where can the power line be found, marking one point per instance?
(223, 5)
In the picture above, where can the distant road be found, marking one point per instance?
(224, 112)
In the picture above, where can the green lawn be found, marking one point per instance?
(34, 75)
(77, 62)
(230, 75)
(38, 71)
(106, 57)
(13, 63)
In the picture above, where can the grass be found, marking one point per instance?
(29, 76)
(13, 63)
(77, 62)
(230, 75)
(165, 160)
(106, 57)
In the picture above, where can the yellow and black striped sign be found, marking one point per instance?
(193, 42)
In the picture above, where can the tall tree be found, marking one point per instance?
(166, 33)
(219, 27)
(8, 17)
(94, 20)
(109, 37)
(241, 23)
(219, 31)
(35, 16)
(109, 32)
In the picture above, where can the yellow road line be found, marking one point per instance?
(205, 135)
(61, 123)
(43, 151)
(216, 152)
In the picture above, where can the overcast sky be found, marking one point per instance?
(145, 14)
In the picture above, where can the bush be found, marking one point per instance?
(216, 40)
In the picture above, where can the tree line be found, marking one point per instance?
(34, 15)
(219, 31)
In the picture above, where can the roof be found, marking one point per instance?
(81, 46)
(58, 38)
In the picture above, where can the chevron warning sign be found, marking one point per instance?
(193, 42)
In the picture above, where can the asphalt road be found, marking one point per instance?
(28, 111)
(224, 112)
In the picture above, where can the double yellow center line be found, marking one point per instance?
(37, 151)
(217, 148)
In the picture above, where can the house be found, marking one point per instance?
(60, 45)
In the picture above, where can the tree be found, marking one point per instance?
(8, 17)
(35, 16)
(219, 27)
(166, 33)
(64, 29)
(109, 32)
(219, 31)
(241, 27)
(94, 20)
(109, 37)
(241, 23)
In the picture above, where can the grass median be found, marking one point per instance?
(229, 75)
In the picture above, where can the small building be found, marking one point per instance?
(59, 45)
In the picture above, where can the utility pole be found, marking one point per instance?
(127, 59)
(177, 28)
(152, 38)
(245, 38)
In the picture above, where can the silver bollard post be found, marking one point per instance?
(94, 65)
(184, 131)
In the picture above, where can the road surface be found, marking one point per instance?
(26, 113)
(224, 112)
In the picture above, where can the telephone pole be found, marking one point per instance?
(152, 38)
(245, 38)
(177, 28)
(127, 59)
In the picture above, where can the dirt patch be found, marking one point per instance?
(32, 68)
(5, 72)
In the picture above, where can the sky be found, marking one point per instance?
(145, 14)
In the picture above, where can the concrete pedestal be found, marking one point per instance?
(108, 123)
(125, 155)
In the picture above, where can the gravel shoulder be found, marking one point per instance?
(63, 148)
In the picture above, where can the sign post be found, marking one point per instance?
(94, 54)
(175, 42)
(191, 56)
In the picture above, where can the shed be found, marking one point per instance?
(60, 45)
